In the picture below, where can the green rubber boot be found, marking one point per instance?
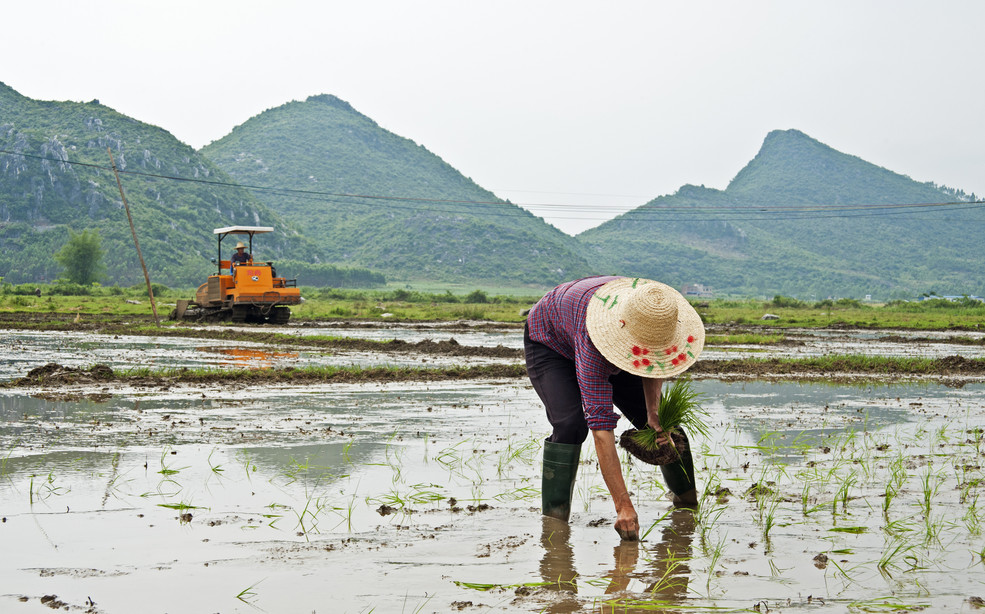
(558, 478)
(679, 477)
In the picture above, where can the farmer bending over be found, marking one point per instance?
(598, 342)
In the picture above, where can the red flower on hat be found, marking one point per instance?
(674, 361)
(690, 338)
(637, 350)
(645, 362)
(681, 357)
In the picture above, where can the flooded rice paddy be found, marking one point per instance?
(426, 497)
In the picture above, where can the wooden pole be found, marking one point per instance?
(133, 231)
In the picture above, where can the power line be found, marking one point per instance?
(726, 212)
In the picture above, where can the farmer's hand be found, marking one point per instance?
(663, 437)
(628, 524)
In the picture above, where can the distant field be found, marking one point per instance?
(483, 304)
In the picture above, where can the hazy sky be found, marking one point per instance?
(594, 107)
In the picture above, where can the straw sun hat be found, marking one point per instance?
(645, 327)
(241, 244)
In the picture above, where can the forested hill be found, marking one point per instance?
(804, 219)
(800, 219)
(54, 178)
(372, 198)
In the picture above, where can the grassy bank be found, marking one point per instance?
(411, 305)
(826, 367)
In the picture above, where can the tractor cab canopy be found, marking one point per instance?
(222, 233)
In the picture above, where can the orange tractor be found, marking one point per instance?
(248, 291)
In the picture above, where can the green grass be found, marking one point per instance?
(745, 339)
(847, 363)
(450, 302)
(855, 364)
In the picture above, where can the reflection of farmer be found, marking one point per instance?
(240, 256)
(598, 342)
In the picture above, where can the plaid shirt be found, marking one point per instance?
(558, 321)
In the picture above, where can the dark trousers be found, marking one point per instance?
(553, 377)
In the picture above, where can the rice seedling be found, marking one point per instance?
(680, 409)
(809, 504)
(933, 527)
(846, 573)
(769, 521)
(168, 469)
(972, 518)
(248, 595)
(714, 556)
(214, 467)
(897, 527)
(452, 458)
(673, 578)
(525, 452)
(181, 506)
(46, 488)
(424, 493)
(308, 517)
(272, 519)
(930, 483)
(897, 477)
(655, 523)
(895, 548)
(775, 570)
(484, 586)
(248, 465)
(522, 493)
(417, 610)
(706, 518)
(844, 493)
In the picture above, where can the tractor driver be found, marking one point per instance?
(240, 256)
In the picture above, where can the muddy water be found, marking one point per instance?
(425, 498)
(21, 351)
(24, 350)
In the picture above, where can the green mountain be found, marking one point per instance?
(55, 177)
(371, 198)
(800, 219)
(803, 219)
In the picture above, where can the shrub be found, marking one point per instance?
(785, 301)
(477, 296)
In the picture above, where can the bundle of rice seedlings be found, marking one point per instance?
(680, 410)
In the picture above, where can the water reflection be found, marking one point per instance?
(557, 566)
(667, 567)
(315, 461)
(665, 572)
(785, 419)
(250, 358)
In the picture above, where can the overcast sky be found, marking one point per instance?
(594, 107)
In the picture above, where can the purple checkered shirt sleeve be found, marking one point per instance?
(558, 321)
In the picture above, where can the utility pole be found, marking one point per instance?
(133, 231)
